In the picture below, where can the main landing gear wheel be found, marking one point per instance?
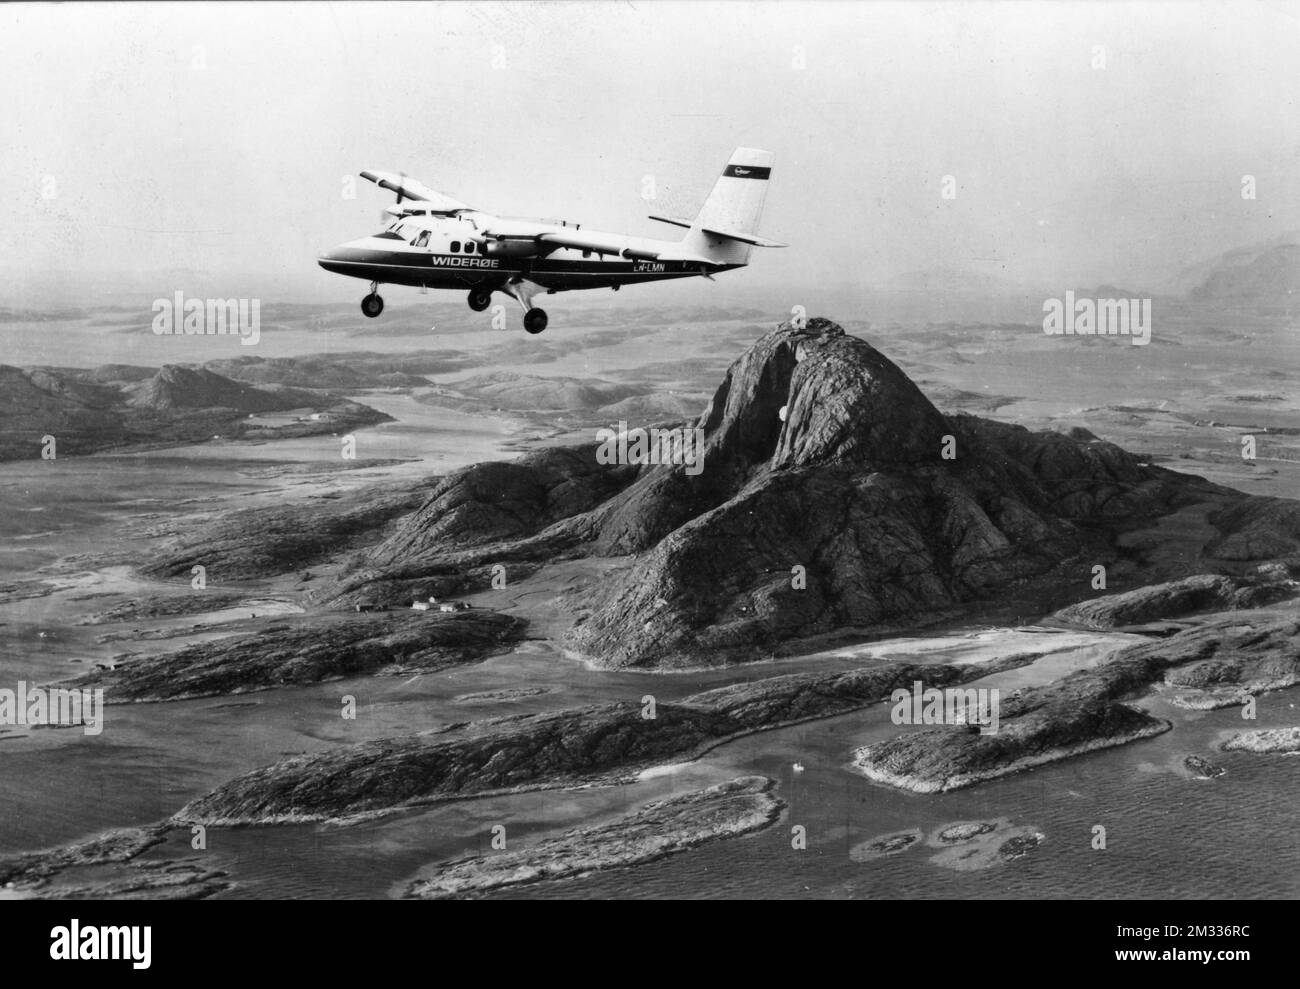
(372, 305)
(535, 320)
(479, 299)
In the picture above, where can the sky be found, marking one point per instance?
(206, 147)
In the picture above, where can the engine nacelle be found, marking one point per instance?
(633, 254)
(509, 248)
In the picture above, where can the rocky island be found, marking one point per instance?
(727, 810)
(294, 652)
(1285, 741)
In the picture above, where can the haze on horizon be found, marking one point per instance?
(204, 147)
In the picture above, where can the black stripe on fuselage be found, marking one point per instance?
(415, 269)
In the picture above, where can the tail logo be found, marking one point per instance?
(746, 172)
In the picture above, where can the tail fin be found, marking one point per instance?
(725, 229)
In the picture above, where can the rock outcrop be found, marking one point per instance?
(557, 748)
(1174, 599)
(665, 827)
(309, 651)
(1085, 711)
(1285, 741)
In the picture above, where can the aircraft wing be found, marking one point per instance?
(548, 236)
(409, 188)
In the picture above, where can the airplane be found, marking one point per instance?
(435, 241)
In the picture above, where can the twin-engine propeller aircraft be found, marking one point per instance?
(435, 241)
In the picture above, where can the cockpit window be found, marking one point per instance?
(422, 240)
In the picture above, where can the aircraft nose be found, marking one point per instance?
(329, 260)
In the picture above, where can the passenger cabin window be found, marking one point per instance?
(455, 247)
(469, 247)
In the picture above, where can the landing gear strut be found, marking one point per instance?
(372, 305)
(479, 299)
(522, 291)
(535, 320)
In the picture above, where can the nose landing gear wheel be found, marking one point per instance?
(372, 305)
(479, 299)
(535, 320)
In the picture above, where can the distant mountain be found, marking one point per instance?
(300, 372)
(1266, 279)
(341, 372)
(525, 391)
(178, 387)
(40, 402)
(1263, 275)
(118, 406)
(1109, 291)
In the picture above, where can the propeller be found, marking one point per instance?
(384, 218)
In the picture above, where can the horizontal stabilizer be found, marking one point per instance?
(744, 238)
(728, 234)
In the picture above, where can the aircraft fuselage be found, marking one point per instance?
(448, 262)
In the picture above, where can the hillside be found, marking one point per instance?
(1263, 276)
(178, 387)
(122, 407)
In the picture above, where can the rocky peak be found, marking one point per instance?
(849, 402)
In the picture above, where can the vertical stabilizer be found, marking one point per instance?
(733, 207)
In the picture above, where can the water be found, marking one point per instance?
(1167, 834)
